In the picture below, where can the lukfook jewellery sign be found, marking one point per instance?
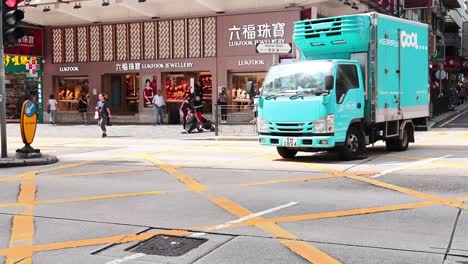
(251, 34)
(135, 66)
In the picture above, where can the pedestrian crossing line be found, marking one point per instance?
(303, 249)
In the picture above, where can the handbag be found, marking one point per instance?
(48, 109)
(96, 115)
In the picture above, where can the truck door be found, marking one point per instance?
(349, 91)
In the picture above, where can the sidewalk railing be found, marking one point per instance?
(235, 120)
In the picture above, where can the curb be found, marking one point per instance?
(13, 162)
(445, 119)
(240, 138)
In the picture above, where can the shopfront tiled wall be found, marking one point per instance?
(150, 40)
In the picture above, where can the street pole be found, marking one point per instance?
(2, 92)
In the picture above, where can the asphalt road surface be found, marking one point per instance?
(127, 198)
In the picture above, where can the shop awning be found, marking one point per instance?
(451, 64)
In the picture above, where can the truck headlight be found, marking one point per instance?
(325, 124)
(263, 125)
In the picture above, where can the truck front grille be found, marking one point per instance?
(291, 127)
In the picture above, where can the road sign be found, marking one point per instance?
(274, 48)
(441, 74)
(28, 122)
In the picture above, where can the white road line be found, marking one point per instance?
(122, 260)
(412, 164)
(245, 218)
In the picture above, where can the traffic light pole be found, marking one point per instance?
(2, 94)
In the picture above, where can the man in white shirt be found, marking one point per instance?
(159, 104)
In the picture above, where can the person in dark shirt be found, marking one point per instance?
(104, 113)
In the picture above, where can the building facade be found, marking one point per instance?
(130, 61)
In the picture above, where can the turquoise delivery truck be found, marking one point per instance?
(361, 78)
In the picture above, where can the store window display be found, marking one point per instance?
(19, 87)
(69, 91)
(179, 86)
(238, 85)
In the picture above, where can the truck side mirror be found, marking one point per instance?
(329, 82)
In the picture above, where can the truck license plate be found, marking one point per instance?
(290, 142)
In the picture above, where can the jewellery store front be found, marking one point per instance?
(130, 87)
(239, 63)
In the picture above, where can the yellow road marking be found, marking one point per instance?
(303, 249)
(90, 198)
(393, 187)
(120, 239)
(22, 228)
(187, 180)
(91, 173)
(425, 196)
(303, 179)
(352, 212)
(98, 197)
(308, 252)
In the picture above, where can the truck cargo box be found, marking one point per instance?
(392, 51)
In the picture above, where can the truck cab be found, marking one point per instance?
(319, 99)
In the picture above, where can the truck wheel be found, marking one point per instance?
(286, 153)
(353, 146)
(397, 144)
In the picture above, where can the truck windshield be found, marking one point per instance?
(296, 78)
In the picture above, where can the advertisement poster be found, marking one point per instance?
(29, 45)
(417, 4)
(150, 89)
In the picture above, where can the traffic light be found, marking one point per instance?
(12, 16)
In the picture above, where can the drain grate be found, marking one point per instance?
(170, 246)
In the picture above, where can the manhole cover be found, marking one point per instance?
(170, 246)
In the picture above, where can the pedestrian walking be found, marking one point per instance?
(158, 102)
(83, 108)
(52, 108)
(222, 102)
(104, 113)
(106, 98)
(184, 109)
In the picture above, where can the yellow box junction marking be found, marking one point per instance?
(286, 238)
